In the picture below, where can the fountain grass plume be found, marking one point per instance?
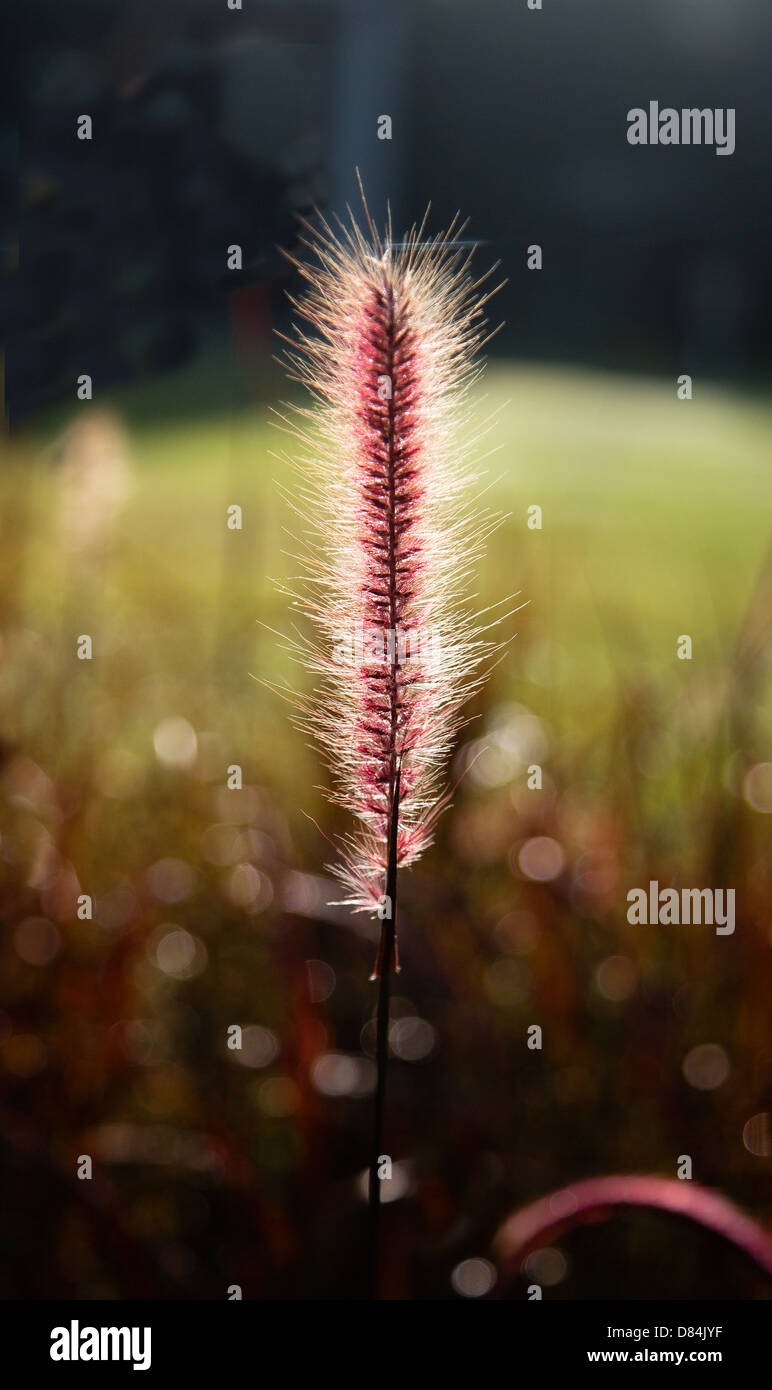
(387, 345)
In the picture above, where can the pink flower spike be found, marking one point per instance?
(388, 357)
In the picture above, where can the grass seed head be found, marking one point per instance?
(387, 345)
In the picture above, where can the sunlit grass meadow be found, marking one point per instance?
(655, 526)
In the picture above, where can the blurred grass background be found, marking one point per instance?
(214, 1168)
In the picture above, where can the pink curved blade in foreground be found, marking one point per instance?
(595, 1199)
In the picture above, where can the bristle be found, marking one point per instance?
(390, 545)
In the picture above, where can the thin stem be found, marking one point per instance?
(383, 969)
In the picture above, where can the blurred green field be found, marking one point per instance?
(655, 524)
(113, 523)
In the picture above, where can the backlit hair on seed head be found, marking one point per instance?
(387, 345)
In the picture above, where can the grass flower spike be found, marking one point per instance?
(388, 352)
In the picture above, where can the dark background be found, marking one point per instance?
(212, 126)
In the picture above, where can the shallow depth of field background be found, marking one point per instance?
(215, 1167)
